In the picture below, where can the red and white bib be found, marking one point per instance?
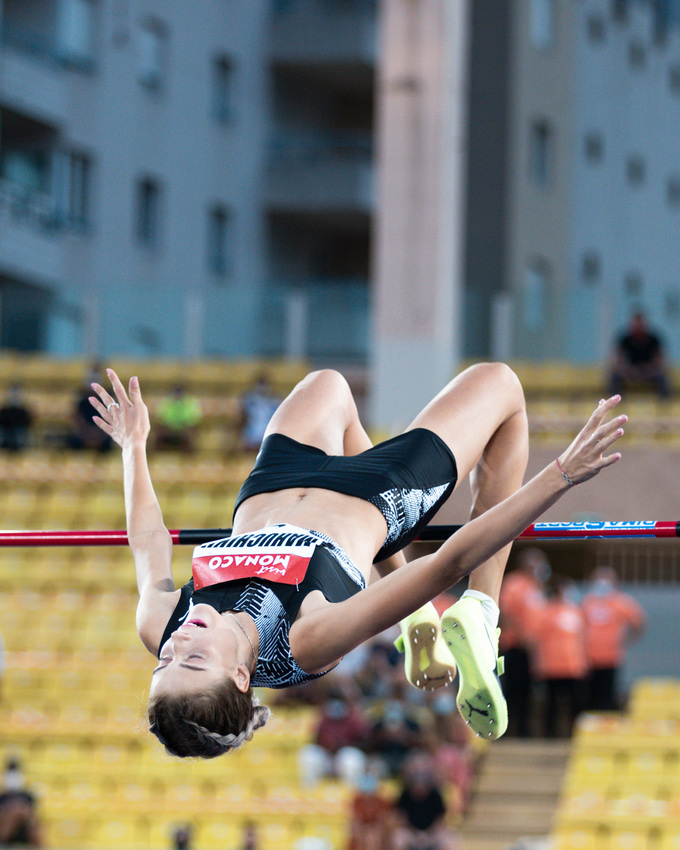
(280, 553)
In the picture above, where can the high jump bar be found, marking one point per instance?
(432, 533)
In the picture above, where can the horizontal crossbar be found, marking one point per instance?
(432, 533)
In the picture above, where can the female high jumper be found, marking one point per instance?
(294, 588)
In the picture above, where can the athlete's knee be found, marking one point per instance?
(503, 380)
(329, 381)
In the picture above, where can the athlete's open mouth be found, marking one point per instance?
(199, 623)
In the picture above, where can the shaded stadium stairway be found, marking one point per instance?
(516, 793)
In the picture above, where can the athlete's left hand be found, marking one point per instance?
(585, 456)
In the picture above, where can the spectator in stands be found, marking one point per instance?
(449, 744)
(19, 824)
(638, 357)
(613, 619)
(559, 658)
(84, 433)
(522, 594)
(249, 839)
(181, 837)
(257, 408)
(395, 733)
(341, 734)
(380, 675)
(179, 416)
(370, 819)
(15, 420)
(421, 811)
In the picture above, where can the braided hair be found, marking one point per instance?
(206, 724)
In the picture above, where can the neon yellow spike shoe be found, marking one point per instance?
(474, 645)
(428, 662)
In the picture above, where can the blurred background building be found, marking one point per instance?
(183, 184)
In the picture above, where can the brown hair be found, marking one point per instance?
(206, 724)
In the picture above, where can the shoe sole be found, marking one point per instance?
(480, 698)
(425, 668)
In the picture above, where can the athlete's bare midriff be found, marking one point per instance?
(354, 524)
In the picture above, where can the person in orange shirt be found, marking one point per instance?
(613, 619)
(559, 657)
(521, 596)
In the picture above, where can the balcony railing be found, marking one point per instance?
(316, 145)
(324, 30)
(321, 169)
(36, 210)
(320, 320)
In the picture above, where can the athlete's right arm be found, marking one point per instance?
(126, 420)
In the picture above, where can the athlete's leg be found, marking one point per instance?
(320, 411)
(481, 416)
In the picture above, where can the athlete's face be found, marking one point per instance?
(202, 651)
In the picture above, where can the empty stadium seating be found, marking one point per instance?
(622, 789)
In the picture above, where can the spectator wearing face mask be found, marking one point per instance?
(613, 620)
(370, 823)
(559, 656)
(522, 594)
(421, 810)
(341, 732)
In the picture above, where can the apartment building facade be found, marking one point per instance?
(592, 211)
(185, 182)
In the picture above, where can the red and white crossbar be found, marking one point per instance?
(433, 533)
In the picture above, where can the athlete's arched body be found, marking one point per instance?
(322, 499)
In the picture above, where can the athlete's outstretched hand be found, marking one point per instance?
(586, 456)
(124, 418)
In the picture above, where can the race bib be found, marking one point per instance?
(280, 553)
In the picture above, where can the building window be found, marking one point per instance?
(223, 90)
(76, 32)
(633, 284)
(674, 79)
(635, 170)
(620, 10)
(536, 283)
(219, 241)
(540, 153)
(671, 304)
(636, 55)
(152, 49)
(147, 225)
(593, 145)
(78, 201)
(595, 29)
(541, 23)
(590, 268)
(673, 191)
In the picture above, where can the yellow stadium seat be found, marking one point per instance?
(670, 839)
(629, 840)
(576, 839)
(66, 831)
